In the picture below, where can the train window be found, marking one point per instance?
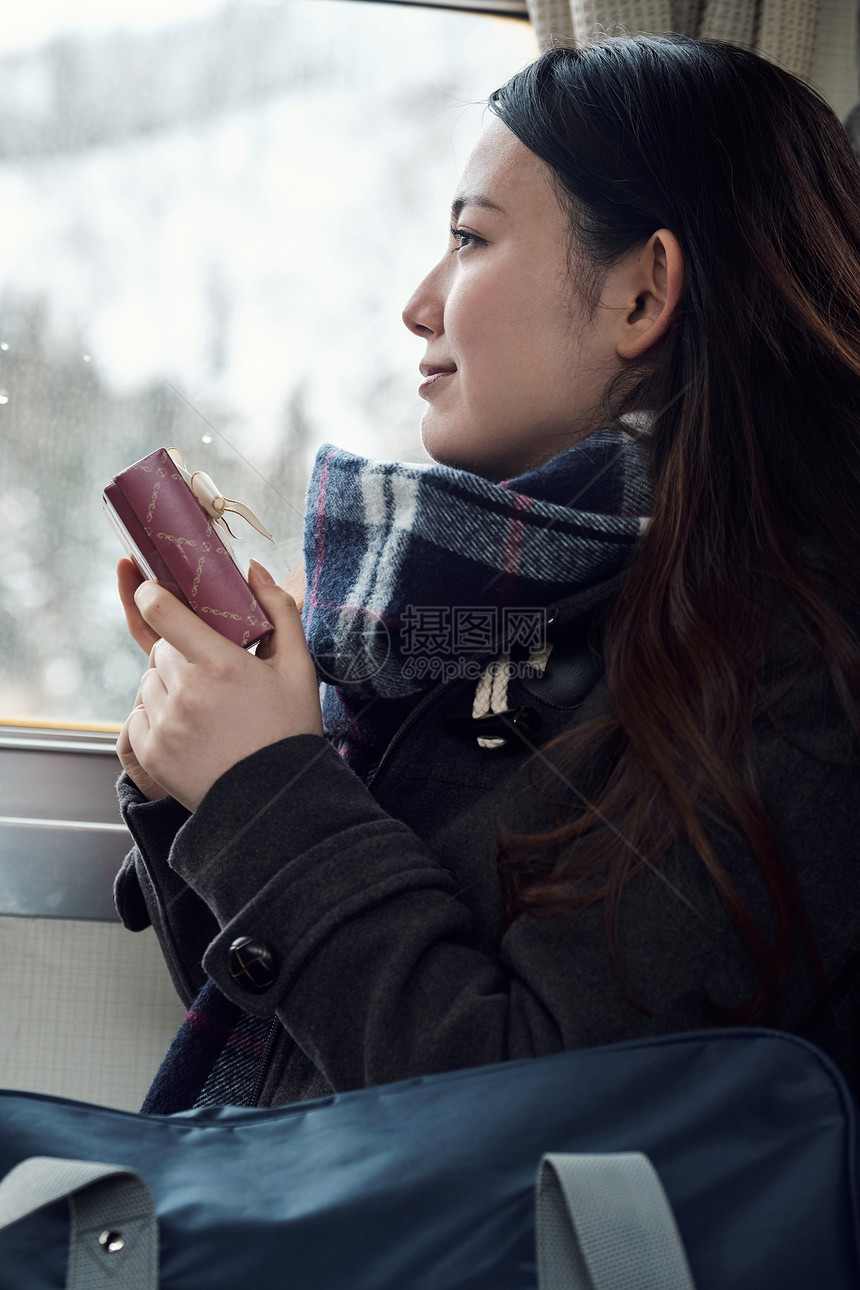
(212, 216)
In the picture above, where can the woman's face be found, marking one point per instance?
(513, 371)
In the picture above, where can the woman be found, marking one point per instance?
(649, 307)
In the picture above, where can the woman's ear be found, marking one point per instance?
(651, 279)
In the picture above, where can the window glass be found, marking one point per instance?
(212, 216)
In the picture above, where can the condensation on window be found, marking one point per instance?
(210, 219)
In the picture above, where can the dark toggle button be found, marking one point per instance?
(495, 725)
(253, 966)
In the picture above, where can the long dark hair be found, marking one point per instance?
(755, 445)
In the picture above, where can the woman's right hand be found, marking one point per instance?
(129, 579)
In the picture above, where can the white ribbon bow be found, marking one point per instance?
(210, 498)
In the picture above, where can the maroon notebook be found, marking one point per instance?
(173, 540)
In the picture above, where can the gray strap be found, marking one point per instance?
(113, 1238)
(604, 1223)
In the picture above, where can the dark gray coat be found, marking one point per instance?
(382, 907)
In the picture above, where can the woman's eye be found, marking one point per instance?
(465, 239)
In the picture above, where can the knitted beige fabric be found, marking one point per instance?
(815, 39)
(835, 60)
(786, 33)
(734, 20)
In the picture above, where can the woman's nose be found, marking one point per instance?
(424, 308)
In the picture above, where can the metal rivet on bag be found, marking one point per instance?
(112, 1241)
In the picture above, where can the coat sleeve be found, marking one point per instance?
(147, 892)
(379, 975)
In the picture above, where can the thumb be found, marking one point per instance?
(282, 612)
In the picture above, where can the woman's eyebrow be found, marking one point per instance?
(459, 204)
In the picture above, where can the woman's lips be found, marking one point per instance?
(433, 378)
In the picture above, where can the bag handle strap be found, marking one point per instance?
(604, 1223)
(113, 1238)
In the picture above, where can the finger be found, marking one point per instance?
(259, 576)
(288, 638)
(129, 578)
(167, 661)
(149, 787)
(123, 740)
(168, 618)
(123, 743)
(132, 736)
(295, 586)
(132, 739)
(152, 695)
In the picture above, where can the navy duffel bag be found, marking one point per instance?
(747, 1137)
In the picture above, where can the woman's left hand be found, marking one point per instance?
(205, 703)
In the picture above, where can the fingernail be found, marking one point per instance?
(261, 574)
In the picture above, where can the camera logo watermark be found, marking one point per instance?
(435, 642)
(363, 649)
(439, 641)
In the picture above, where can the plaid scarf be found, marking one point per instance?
(393, 552)
(413, 571)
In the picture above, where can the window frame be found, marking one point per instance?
(61, 838)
